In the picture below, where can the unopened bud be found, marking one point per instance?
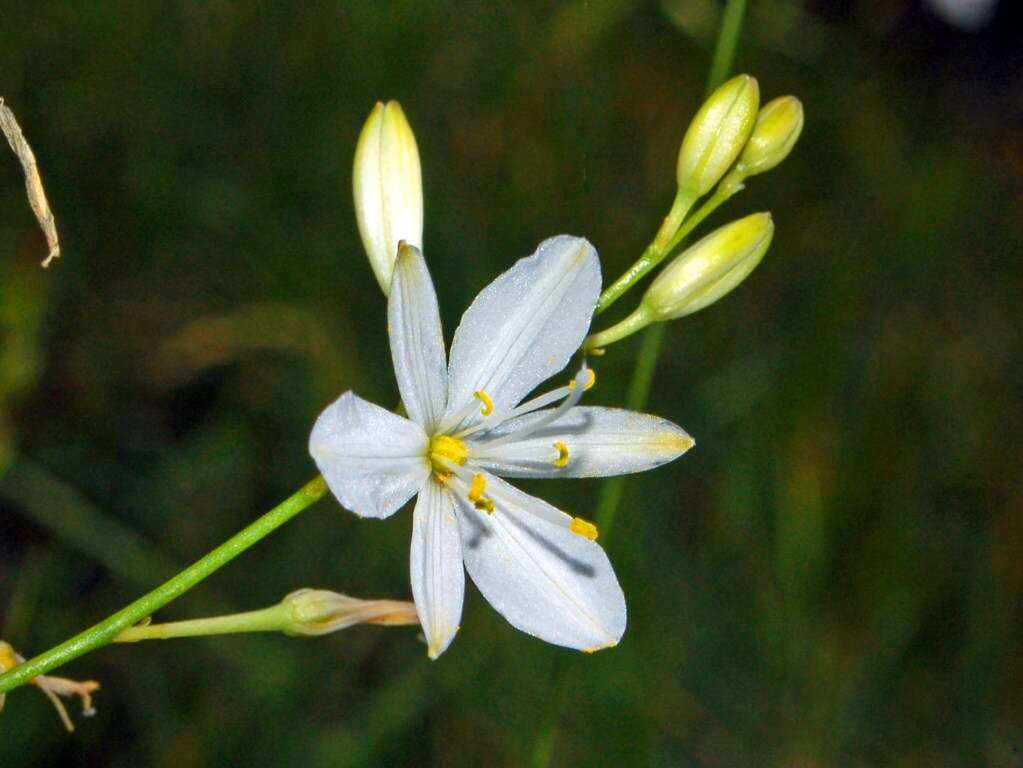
(777, 129)
(717, 135)
(319, 612)
(696, 278)
(388, 188)
(706, 271)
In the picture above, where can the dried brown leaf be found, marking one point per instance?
(33, 182)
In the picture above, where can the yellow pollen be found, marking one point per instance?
(445, 451)
(476, 489)
(488, 404)
(479, 484)
(562, 449)
(583, 528)
(591, 379)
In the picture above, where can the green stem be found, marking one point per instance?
(640, 318)
(646, 365)
(728, 41)
(652, 255)
(653, 338)
(728, 187)
(104, 632)
(639, 392)
(276, 618)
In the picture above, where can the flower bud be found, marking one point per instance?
(717, 135)
(388, 188)
(319, 612)
(777, 129)
(706, 271)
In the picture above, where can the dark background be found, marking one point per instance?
(832, 577)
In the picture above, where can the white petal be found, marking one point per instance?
(544, 579)
(599, 442)
(417, 344)
(524, 326)
(438, 579)
(372, 460)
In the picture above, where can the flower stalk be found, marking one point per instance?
(658, 250)
(105, 631)
(306, 612)
(653, 254)
(713, 141)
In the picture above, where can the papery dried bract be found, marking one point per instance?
(53, 687)
(320, 612)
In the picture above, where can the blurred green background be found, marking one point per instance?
(832, 577)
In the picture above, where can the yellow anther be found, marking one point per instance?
(488, 404)
(583, 528)
(479, 485)
(445, 451)
(476, 489)
(562, 449)
(591, 379)
(441, 478)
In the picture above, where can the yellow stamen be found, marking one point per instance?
(445, 451)
(562, 449)
(476, 489)
(488, 404)
(479, 485)
(583, 528)
(591, 379)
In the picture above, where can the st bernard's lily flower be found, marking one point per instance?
(537, 565)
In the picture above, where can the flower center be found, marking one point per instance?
(444, 451)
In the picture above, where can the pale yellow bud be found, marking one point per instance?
(319, 612)
(777, 129)
(696, 278)
(717, 135)
(388, 188)
(706, 271)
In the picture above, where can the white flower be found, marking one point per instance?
(538, 566)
